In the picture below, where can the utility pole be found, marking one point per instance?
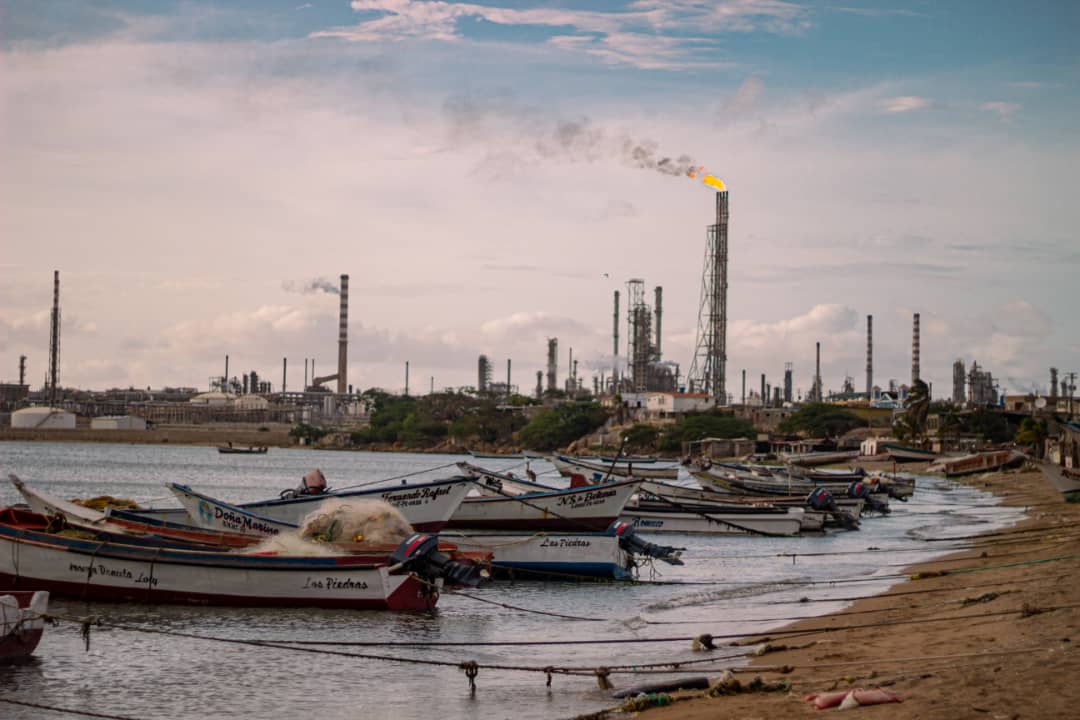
(1071, 378)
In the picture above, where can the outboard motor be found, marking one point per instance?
(419, 553)
(635, 545)
(860, 491)
(313, 483)
(822, 500)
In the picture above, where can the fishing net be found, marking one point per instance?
(368, 522)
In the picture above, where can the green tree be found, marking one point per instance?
(705, 425)
(989, 425)
(820, 420)
(557, 427)
(641, 438)
(912, 424)
(1032, 433)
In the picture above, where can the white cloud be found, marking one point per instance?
(1004, 110)
(638, 37)
(747, 98)
(904, 103)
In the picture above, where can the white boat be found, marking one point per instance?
(903, 454)
(977, 462)
(22, 621)
(583, 554)
(599, 471)
(212, 514)
(713, 519)
(94, 570)
(811, 459)
(593, 507)
(427, 506)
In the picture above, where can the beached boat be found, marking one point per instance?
(903, 454)
(596, 471)
(425, 506)
(812, 459)
(977, 462)
(94, 570)
(592, 507)
(212, 514)
(1064, 479)
(22, 621)
(250, 450)
(714, 519)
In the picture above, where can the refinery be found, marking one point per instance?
(645, 386)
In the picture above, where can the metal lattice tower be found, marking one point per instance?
(638, 334)
(708, 367)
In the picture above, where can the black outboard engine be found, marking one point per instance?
(635, 545)
(313, 483)
(860, 491)
(419, 553)
(822, 500)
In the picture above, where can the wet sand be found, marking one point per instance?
(991, 638)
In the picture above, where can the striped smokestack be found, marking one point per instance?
(915, 349)
(343, 338)
(869, 356)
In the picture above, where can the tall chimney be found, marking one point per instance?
(615, 346)
(284, 372)
(764, 392)
(552, 363)
(817, 375)
(22, 371)
(507, 377)
(744, 387)
(343, 338)
(225, 384)
(54, 341)
(915, 349)
(1053, 382)
(869, 356)
(659, 314)
(406, 378)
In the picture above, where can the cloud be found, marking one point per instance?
(651, 34)
(533, 325)
(1004, 110)
(747, 98)
(903, 104)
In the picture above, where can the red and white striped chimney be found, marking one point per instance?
(343, 339)
(915, 349)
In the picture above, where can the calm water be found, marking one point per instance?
(733, 586)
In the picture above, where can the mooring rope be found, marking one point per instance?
(396, 477)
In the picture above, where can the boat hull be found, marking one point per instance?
(116, 572)
(902, 454)
(427, 507)
(573, 554)
(22, 623)
(590, 508)
(597, 471)
(715, 522)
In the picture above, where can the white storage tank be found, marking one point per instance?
(43, 418)
(118, 422)
(251, 402)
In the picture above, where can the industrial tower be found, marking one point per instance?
(708, 366)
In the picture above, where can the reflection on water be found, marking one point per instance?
(737, 582)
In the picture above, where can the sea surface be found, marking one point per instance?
(729, 585)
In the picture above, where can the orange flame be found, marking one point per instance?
(710, 180)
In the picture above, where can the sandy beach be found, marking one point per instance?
(987, 632)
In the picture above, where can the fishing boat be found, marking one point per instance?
(904, 454)
(212, 514)
(22, 621)
(250, 450)
(609, 554)
(589, 508)
(714, 519)
(568, 466)
(30, 557)
(977, 462)
(425, 506)
(494, 482)
(812, 459)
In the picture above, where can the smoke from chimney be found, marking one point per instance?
(311, 286)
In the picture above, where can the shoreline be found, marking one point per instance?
(984, 639)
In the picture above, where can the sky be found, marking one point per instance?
(489, 173)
